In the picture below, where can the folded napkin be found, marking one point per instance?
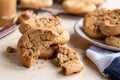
(108, 62)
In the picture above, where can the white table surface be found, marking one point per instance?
(10, 68)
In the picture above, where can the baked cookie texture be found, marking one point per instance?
(78, 6)
(92, 23)
(33, 43)
(36, 4)
(25, 15)
(53, 23)
(44, 38)
(113, 41)
(69, 60)
(111, 24)
(71, 67)
(103, 24)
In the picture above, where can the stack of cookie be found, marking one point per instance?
(103, 23)
(45, 38)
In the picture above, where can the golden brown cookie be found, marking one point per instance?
(78, 6)
(111, 24)
(53, 23)
(25, 15)
(92, 22)
(69, 60)
(113, 41)
(36, 4)
(33, 43)
(71, 67)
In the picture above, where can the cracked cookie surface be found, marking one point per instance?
(33, 43)
(61, 39)
(53, 23)
(92, 23)
(111, 24)
(69, 60)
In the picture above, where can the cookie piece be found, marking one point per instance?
(10, 49)
(111, 24)
(33, 43)
(71, 67)
(25, 15)
(36, 4)
(92, 22)
(69, 60)
(78, 6)
(113, 41)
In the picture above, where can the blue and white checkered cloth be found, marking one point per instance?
(108, 62)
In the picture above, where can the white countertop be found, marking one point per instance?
(10, 69)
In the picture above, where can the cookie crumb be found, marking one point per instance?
(33, 68)
(10, 49)
(43, 62)
(36, 62)
(40, 67)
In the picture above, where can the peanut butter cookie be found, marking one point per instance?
(33, 43)
(53, 23)
(111, 24)
(78, 6)
(92, 22)
(113, 41)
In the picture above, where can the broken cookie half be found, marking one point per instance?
(68, 60)
(33, 43)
